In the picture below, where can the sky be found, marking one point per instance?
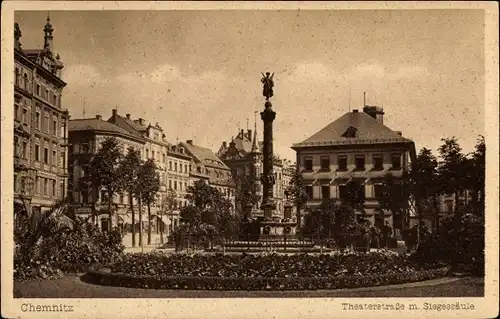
(197, 73)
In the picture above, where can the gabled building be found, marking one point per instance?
(355, 147)
(85, 139)
(244, 156)
(40, 125)
(209, 167)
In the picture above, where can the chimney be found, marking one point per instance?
(115, 111)
(128, 116)
(190, 142)
(224, 144)
(376, 112)
(249, 135)
(355, 111)
(242, 133)
(141, 121)
(98, 117)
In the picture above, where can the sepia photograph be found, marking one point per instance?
(242, 151)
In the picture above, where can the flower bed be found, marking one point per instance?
(266, 271)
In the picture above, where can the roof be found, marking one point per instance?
(367, 131)
(97, 125)
(204, 155)
(134, 124)
(128, 125)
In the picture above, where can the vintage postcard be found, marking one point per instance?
(249, 159)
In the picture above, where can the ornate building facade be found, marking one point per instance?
(244, 156)
(355, 147)
(40, 125)
(209, 167)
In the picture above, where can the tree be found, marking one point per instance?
(208, 206)
(397, 193)
(104, 173)
(355, 197)
(129, 170)
(452, 168)
(246, 193)
(149, 183)
(426, 183)
(297, 193)
(477, 169)
(168, 203)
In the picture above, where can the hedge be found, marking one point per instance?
(259, 283)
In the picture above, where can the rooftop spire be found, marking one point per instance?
(255, 146)
(47, 44)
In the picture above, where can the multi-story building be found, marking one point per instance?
(178, 172)
(85, 139)
(207, 166)
(40, 125)
(355, 147)
(155, 147)
(244, 156)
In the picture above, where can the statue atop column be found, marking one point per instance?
(268, 82)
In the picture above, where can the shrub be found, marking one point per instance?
(69, 251)
(260, 283)
(459, 242)
(264, 265)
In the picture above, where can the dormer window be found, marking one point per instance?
(351, 132)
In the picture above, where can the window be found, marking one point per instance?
(121, 199)
(62, 160)
(378, 190)
(147, 153)
(37, 120)
(360, 162)
(104, 197)
(309, 191)
(25, 116)
(61, 189)
(46, 122)
(170, 184)
(84, 148)
(37, 152)
(46, 155)
(85, 196)
(37, 185)
(175, 185)
(16, 146)
(308, 164)
(38, 89)
(449, 206)
(54, 127)
(342, 163)
(16, 112)
(342, 191)
(25, 150)
(325, 191)
(325, 163)
(377, 162)
(396, 161)
(175, 167)
(17, 76)
(170, 165)
(26, 82)
(16, 186)
(163, 157)
(45, 187)
(54, 188)
(153, 154)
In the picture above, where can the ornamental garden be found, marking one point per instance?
(217, 250)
